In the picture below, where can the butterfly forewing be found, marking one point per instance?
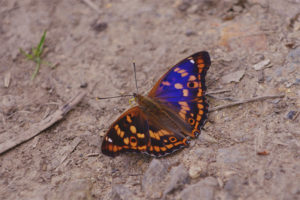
(182, 89)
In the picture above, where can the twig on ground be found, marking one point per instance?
(92, 154)
(68, 150)
(92, 5)
(245, 101)
(295, 117)
(221, 98)
(217, 92)
(37, 128)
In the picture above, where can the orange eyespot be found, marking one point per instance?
(191, 84)
(133, 141)
(173, 139)
(191, 121)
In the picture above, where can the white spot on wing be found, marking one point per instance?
(192, 61)
(109, 140)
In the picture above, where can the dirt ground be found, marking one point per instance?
(250, 151)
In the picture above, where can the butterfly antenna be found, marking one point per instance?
(127, 95)
(137, 91)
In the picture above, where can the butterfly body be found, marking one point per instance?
(173, 111)
(162, 115)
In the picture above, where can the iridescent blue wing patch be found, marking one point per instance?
(182, 89)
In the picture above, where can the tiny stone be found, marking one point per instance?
(288, 84)
(291, 114)
(122, 193)
(204, 189)
(190, 33)
(83, 85)
(183, 6)
(99, 27)
(7, 79)
(261, 65)
(153, 179)
(294, 55)
(268, 175)
(261, 76)
(178, 177)
(195, 171)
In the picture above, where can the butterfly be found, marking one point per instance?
(173, 112)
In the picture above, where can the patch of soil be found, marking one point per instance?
(250, 151)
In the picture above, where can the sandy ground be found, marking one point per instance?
(254, 46)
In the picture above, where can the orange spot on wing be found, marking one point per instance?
(169, 146)
(196, 125)
(133, 129)
(201, 65)
(200, 106)
(160, 133)
(167, 83)
(198, 117)
(163, 148)
(192, 78)
(122, 134)
(185, 92)
(200, 61)
(184, 74)
(115, 148)
(126, 140)
(150, 148)
(199, 94)
(178, 86)
(181, 71)
(157, 136)
(182, 114)
(128, 119)
(156, 148)
(178, 143)
(141, 135)
(142, 148)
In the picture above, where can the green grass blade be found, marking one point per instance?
(39, 49)
(36, 71)
(28, 56)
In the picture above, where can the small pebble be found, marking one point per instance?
(99, 27)
(261, 65)
(195, 171)
(291, 114)
(190, 33)
(83, 85)
(268, 175)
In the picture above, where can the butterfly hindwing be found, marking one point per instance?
(133, 131)
(162, 141)
(182, 89)
(127, 133)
